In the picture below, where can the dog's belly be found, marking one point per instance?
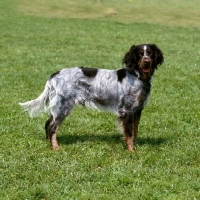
(106, 101)
(101, 92)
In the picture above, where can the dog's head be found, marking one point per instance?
(144, 58)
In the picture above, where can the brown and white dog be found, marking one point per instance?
(123, 91)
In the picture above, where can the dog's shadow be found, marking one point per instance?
(117, 138)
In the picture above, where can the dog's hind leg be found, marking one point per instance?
(47, 127)
(53, 131)
(59, 113)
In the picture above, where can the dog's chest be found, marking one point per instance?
(137, 95)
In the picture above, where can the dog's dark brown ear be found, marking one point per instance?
(130, 58)
(159, 58)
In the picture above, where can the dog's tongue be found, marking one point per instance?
(146, 70)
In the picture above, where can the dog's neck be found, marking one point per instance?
(140, 76)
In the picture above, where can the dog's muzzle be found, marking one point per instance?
(145, 65)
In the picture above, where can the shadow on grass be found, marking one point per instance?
(72, 139)
(151, 141)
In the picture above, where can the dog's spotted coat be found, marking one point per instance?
(123, 91)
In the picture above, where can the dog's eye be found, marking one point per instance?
(141, 52)
(149, 51)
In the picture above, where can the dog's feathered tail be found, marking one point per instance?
(39, 105)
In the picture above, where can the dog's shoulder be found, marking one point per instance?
(121, 74)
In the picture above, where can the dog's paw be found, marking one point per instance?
(55, 147)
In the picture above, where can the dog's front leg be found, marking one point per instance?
(129, 137)
(126, 122)
(129, 124)
(137, 116)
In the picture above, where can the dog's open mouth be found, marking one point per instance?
(145, 66)
(146, 70)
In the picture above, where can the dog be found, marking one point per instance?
(123, 91)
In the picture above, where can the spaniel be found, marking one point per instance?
(123, 91)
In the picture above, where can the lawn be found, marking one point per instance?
(37, 38)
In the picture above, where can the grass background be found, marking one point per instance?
(38, 38)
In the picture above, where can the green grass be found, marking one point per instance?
(38, 38)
